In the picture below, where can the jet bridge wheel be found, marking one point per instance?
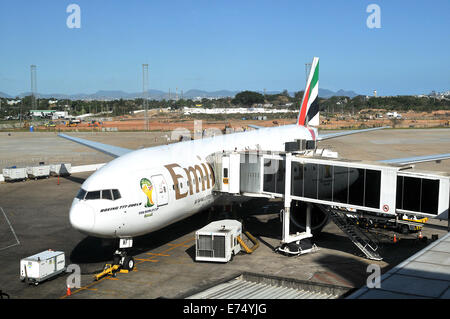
(298, 218)
(404, 229)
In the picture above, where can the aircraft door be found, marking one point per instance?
(230, 181)
(225, 174)
(162, 191)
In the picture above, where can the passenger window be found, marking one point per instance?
(116, 194)
(93, 195)
(106, 194)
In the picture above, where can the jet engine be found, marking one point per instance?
(298, 218)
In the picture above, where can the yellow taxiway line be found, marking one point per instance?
(140, 261)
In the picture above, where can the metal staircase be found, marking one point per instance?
(365, 242)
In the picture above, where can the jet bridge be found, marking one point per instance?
(318, 178)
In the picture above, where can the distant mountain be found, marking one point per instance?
(199, 93)
(324, 93)
(351, 94)
(110, 94)
(159, 95)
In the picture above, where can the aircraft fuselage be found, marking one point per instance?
(162, 185)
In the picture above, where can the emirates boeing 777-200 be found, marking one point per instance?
(144, 190)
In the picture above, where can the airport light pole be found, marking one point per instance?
(33, 86)
(145, 92)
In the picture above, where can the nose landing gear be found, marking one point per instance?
(120, 256)
(125, 262)
(121, 261)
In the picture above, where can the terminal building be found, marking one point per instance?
(51, 114)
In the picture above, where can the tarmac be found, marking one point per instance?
(34, 218)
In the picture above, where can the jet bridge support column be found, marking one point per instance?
(287, 201)
(308, 219)
(290, 244)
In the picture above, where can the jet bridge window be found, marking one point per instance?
(274, 174)
(372, 188)
(311, 173)
(336, 183)
(417, 194)
(357, 186)
(297, 179)
(325, 182)
(356, 189)
(340, 184)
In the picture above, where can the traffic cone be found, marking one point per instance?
(68, 293)
(420, 235)
(395, 239)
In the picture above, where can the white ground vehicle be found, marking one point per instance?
(42, 266)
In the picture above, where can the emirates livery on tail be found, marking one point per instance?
(144, 190)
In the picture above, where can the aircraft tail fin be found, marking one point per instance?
(309, 108)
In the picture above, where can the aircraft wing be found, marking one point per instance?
(114, 151)
(255, 126)
(417, 159)
(322, 137)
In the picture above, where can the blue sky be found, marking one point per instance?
(234, 45)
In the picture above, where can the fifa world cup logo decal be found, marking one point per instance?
(147, 188)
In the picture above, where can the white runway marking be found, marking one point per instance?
(411, 140)
(12, 230)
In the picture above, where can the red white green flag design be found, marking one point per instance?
(309, 110)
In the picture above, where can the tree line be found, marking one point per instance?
(335, 104)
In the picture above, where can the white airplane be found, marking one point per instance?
(142, 191)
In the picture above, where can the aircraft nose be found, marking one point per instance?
(82, 217)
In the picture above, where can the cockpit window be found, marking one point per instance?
(92, 195)
(81, 194)
(109, 194)
(106, 194)
(116, 194)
